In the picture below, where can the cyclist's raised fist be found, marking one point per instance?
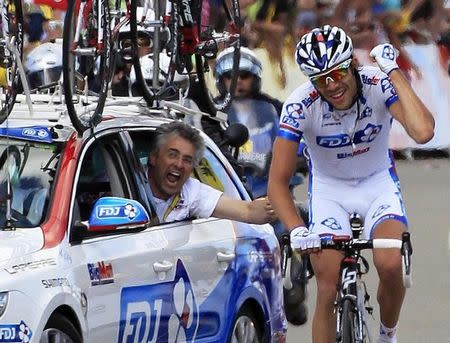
(385, 55)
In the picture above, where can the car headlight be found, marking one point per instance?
(3, 302)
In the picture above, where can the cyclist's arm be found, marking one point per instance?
(410, 110)
(284, 162)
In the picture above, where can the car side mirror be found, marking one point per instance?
(109, 216)
(114, 213)
(236, 135)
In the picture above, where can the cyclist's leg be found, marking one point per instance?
(327, 217)
(386, 218)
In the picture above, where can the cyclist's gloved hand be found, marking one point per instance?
(303, 239)
(386, 57)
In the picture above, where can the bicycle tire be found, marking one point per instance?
(85, 106)
(168, 46)
(9, 68)
(348, 322)
(216, 100)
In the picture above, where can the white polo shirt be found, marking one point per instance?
(196, 199)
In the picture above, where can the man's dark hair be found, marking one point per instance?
(177, 128)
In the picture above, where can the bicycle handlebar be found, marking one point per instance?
(344, 242)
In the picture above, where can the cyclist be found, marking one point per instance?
(344, 112)
(260, 114)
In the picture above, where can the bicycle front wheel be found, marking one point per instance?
(11, 44)
(87, 52)
(220, 32)
(348, 323)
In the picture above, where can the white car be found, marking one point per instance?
(82, 261)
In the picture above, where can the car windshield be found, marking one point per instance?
(26, 175)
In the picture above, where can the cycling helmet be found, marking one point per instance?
(323, 48)
(43, 65)
(181, 81)
(248, 62)
(144, 34)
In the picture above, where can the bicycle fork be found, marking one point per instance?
(353, 288)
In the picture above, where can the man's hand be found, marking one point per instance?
(385, 55)
(264, 207)
(303, 239)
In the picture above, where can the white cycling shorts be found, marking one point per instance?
(375, 198)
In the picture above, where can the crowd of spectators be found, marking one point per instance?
(276, 25)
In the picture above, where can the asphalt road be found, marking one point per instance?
(426, 311)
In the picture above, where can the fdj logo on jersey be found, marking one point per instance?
(367, 135)
(165, 312)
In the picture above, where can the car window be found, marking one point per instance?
(215, 171)
(102, 173)
(27, 170)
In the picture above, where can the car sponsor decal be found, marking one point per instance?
(56, 282)
(100, 273)
(164, 312)
(15, 333)
(34, 133)
(110, 211)
(31, 265)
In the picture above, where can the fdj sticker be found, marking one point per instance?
(165, 312)
(15, 333)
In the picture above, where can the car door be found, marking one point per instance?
(203, 250)
(115, 271)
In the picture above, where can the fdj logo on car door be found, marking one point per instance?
(165, 312)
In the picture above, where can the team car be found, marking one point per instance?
(82, 260)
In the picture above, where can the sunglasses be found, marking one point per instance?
(243, 75)
(336, 74)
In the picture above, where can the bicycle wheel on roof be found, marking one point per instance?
(11, 44)
(158, 24)
(87, 52)
(220, 33)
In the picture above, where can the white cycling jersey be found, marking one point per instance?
(349, 155)
(341, 145)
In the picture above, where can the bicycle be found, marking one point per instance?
(352, 300)
(90, 46)
(11, 47)
(195, 31)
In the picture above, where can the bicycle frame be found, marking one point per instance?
(351, 287)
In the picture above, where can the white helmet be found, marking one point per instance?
(143, 32)
(323, 48)
(248, 61)
(146, 62)
(43, 65)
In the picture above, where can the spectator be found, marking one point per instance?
(260, 114)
